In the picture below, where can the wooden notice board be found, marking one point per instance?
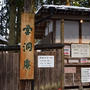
(27, 47)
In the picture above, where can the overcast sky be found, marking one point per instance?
(1, 1)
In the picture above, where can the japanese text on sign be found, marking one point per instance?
(45, 61)
(85, 75)
(27, 47)
(80, 50)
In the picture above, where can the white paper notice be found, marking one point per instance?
(45, 61)
(85, 75)
(80, 50)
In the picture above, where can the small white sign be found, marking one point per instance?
(80, 50)
(85, 75)
(45, 61)
(73, 61)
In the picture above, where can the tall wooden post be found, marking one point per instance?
(68, 3)
(62, 55)
(27, 47)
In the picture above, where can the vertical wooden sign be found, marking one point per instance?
(27, 47)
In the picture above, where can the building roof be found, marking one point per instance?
(56, 12)
(67, 7)
(63, 9)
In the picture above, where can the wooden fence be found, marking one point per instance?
(9, 71)
(45, 78)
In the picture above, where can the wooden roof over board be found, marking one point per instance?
(47, 12)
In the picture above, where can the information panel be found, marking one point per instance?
(45, 61)
(80, 50)
(85, 75)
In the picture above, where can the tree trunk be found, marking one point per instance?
(68, 3)
(29, 6)
(12, 39)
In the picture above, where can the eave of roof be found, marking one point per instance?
(63, 7)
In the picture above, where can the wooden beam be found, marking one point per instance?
(49, 46)
(37, 47)
(76, 87)
(62, 54)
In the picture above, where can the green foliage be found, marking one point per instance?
(81, 3)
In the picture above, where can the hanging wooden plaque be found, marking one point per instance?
(27, 47)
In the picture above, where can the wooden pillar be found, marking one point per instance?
(62, 55)
(68, 3)
(80, 32)
(54, 31)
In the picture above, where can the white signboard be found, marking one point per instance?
(73, 61)
(45, 61)
(85, 75)
(80, 50)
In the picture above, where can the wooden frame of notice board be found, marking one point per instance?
(78, 61)
(68, 53)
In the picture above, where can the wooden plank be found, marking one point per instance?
(10, 60)
(18, 70)
(27, 47)
(8, 71)
(15, 80)
(4, 71)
